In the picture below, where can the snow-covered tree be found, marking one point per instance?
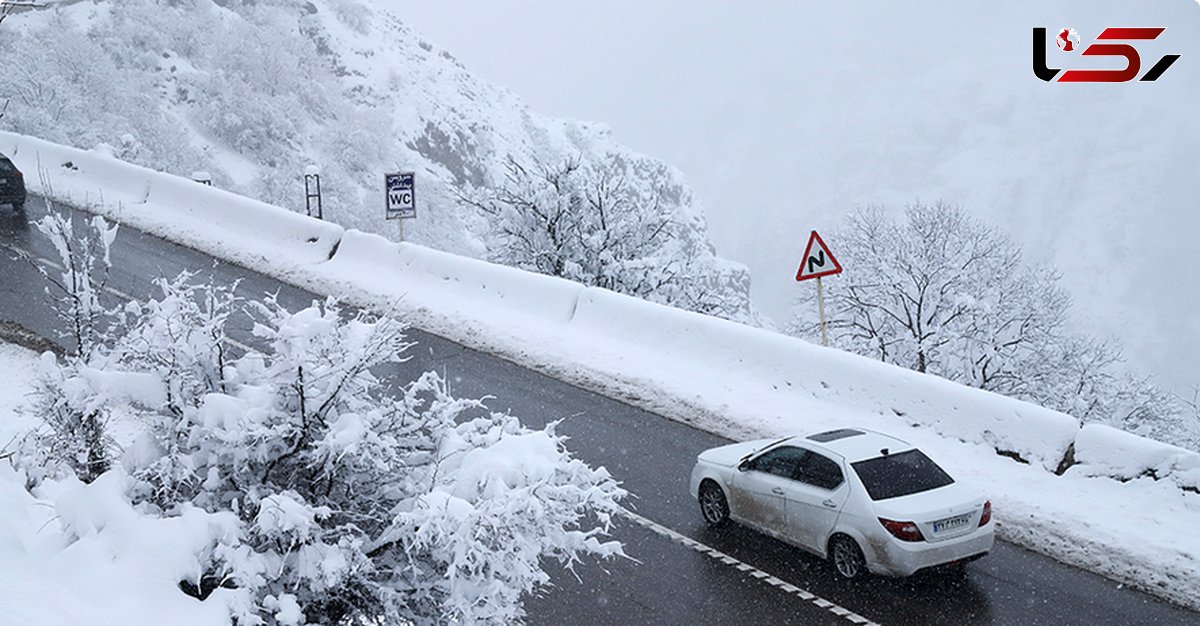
(942, 293)
(358, 499)
(598, 223)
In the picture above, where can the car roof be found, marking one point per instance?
(854, 444)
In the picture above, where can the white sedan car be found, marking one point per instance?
(862, 499)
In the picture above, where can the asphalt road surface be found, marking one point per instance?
(680, 572)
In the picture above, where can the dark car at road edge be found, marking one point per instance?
(12, 184)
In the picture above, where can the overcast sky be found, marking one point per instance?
(784, 116)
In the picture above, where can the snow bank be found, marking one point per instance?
(448, 285)
(1104, 451)
(80, 554)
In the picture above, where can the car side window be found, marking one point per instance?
(781, 461)
(820, 471)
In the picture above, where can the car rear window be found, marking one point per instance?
(900, 474)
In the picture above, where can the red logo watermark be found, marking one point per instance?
(1068, 41)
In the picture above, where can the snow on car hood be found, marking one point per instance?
(730, 455)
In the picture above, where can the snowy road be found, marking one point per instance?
(678, 578)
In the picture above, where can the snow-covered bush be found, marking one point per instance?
(360, 499)
(78, 284)
(74, 417)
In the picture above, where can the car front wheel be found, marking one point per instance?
(713, 505)
(847, 557)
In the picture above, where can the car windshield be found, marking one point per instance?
(900, 474)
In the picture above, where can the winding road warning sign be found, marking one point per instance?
(817, 261)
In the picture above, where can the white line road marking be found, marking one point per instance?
(746, 567)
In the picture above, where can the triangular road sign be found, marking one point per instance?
(817, 260)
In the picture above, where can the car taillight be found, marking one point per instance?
(987, 513)
(904, 531)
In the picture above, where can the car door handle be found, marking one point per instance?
(777, 491)
(830, 503)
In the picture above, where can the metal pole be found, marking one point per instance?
(312, 191)
(401, 221)
(821, 308)
(320, 210)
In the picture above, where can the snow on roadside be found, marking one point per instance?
(72, 554)
(719, 376)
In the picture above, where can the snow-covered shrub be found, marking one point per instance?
(361, 499)
(79, 283)
(74, 414)
(73, 436)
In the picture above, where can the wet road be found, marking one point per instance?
(681, 572)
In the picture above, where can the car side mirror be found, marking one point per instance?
(745, 465)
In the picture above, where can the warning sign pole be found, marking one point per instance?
(818, 261)
(821, 309)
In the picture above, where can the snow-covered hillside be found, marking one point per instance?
(255, 92)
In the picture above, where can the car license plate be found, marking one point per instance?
(951, 523)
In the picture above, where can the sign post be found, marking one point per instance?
(821, 312)
(816, 263)
(400, 197)
(312, 192)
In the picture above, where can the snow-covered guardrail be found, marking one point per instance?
(449, 284)
(252, 233)
(738, 361)
(612, 335)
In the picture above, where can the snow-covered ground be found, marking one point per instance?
(85, 543)
(1128, 509)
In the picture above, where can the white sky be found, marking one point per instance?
(784, 116)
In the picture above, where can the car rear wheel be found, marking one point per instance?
(713, 505)
(847, 557)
